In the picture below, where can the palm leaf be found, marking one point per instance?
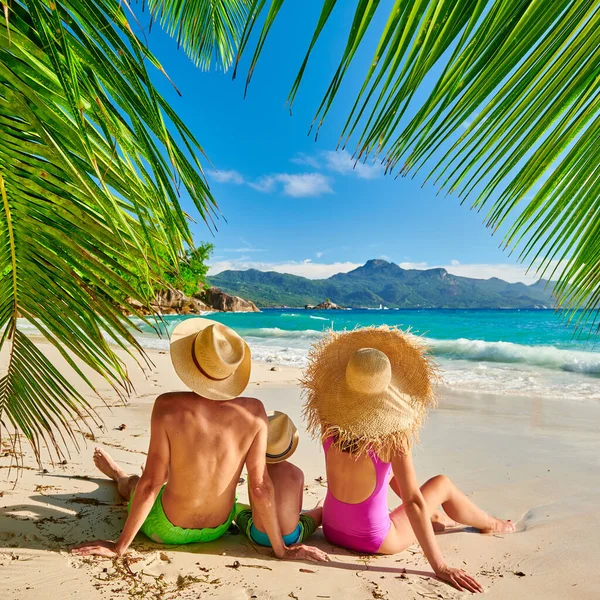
(208, 30)
(509, 119)
(92, 164)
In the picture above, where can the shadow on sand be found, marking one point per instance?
(56, 522)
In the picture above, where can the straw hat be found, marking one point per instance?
(210, 358)
(369, 388)
(283, 437)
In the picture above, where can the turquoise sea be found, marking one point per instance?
(519, 352)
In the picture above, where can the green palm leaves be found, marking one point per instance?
(93, 160)
(509, 120)
(92, 163)
(208, 30)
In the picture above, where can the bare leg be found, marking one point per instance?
(441, 521)
(288, 481)
(440, 490)
(316, 513)
(105, 463)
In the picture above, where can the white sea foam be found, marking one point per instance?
(319, 318)
(276, 332)
(576, 361)
(470, 365)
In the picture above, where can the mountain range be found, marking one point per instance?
(382, 282)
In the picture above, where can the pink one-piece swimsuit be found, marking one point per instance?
(364, 526)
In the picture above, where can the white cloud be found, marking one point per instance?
(508, 272)
(266, 183)
(413, 265)
(304, 159)
(227, 177)
(305, 268)
(319, 254)
(297, 185)
(305, 184)
(339, 161)
(317, 270)
(342, 162)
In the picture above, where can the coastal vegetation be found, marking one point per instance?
(93, 160)
(186, 272)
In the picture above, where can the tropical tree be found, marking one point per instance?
(92, 165)
(92, 157)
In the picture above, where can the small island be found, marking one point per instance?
(326, 305)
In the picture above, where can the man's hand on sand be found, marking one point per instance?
(302, 552)
(104, 548)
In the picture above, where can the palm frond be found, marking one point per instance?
(509, 119)
(208, 30)
(92, 164)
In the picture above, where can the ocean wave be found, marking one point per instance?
(319, 318)
(276, 332)
(576, 361)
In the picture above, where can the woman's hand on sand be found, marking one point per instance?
(302, 552)
(459, 579)
(105, 548)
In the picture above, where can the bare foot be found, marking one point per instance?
(105, 463)
(441, 521)
(499, 526)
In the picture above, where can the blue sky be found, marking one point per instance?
(295, 205)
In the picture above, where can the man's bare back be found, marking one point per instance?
(199, 443)
(198, 448)
(208, 443)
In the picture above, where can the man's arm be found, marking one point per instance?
(153, 478)
(262, 497)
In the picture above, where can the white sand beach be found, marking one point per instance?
(534, 460)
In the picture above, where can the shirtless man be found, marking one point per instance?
(199, 443)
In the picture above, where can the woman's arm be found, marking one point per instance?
(395, 487)
(419, 516)
(153, 478)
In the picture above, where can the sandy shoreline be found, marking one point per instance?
(534, 460)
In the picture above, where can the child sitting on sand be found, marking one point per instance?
(288, 482)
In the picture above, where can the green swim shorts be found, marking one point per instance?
(158, 527)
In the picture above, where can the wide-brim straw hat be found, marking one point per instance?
(210, 358)
(369, 389)
(283, 437)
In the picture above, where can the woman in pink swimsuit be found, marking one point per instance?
(367, 394)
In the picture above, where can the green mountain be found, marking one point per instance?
(381, 282)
